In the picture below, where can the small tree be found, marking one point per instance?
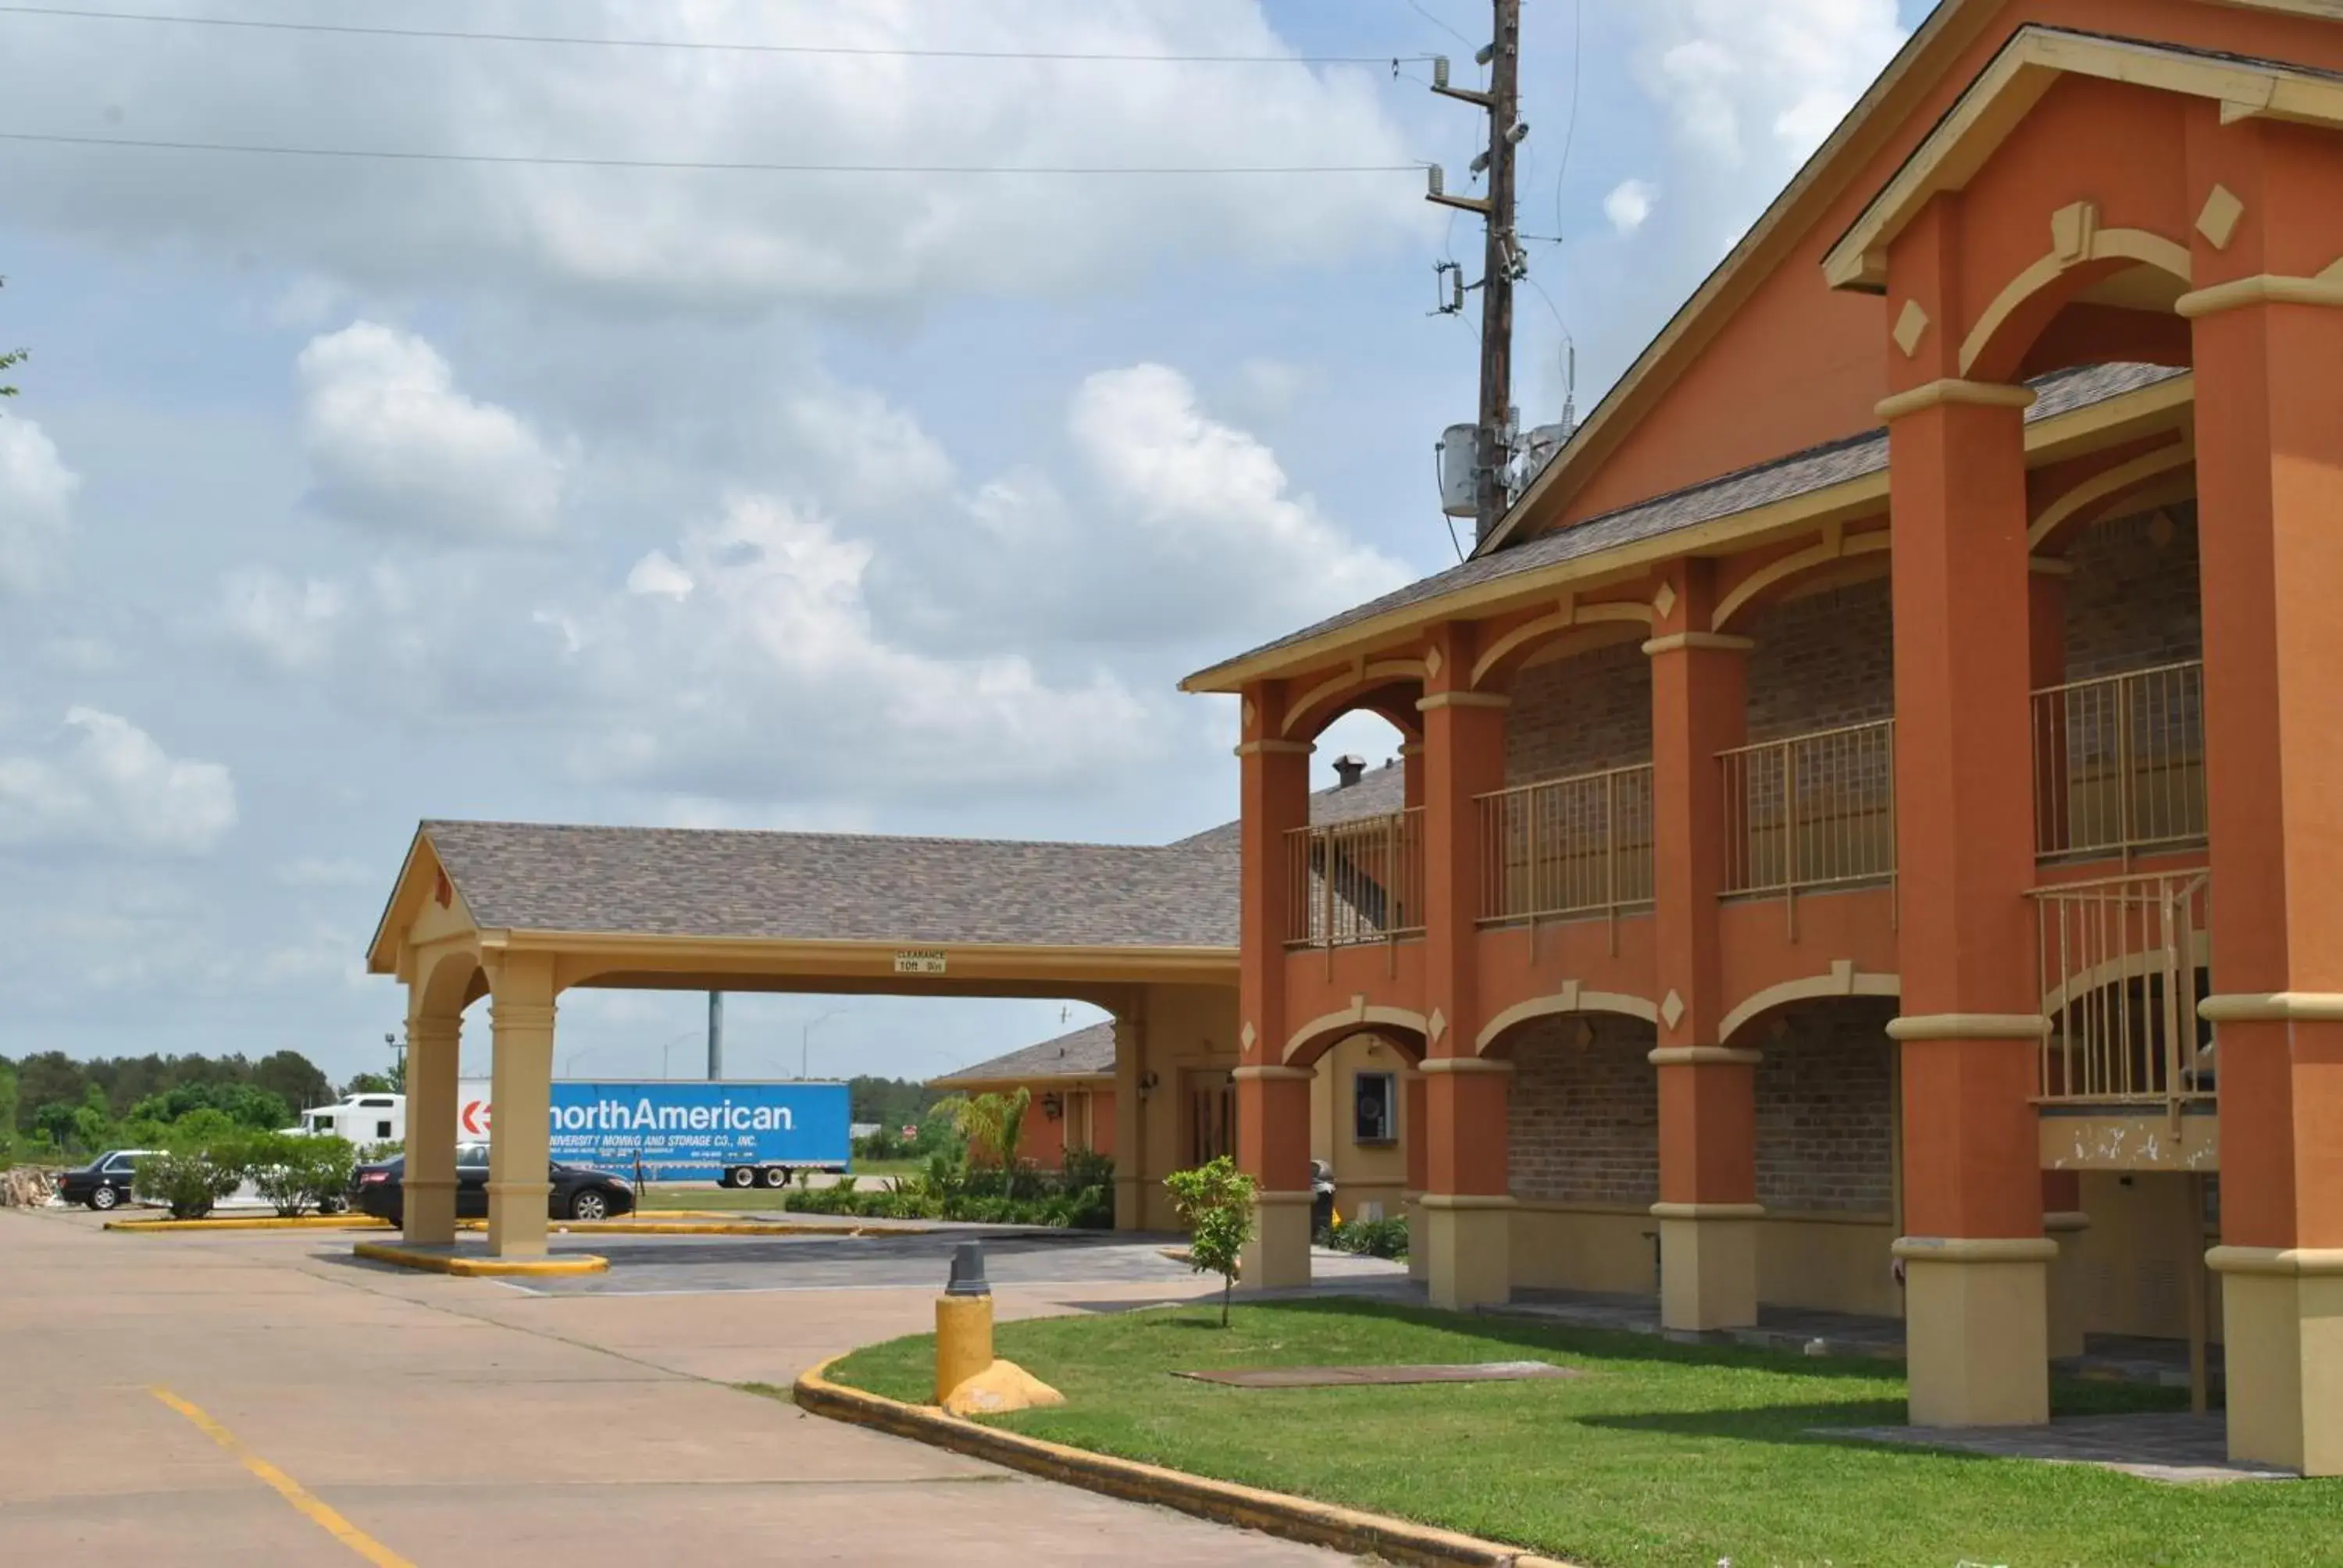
(298, 1172)
(193, 1178)
(1215, 1202)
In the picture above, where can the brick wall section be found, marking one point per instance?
(2133, 602)
(1580, 714)
(1821, 659)
(1825, 1111)
(1585, 1121)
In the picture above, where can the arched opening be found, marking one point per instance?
(1828, 1124)
(1582, 1140)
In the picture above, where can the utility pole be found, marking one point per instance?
(715, 1036)
(1500, 262)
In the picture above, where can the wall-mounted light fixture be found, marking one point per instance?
(1053, 1106)
(1147, 1082)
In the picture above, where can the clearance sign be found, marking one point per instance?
(680, 1130)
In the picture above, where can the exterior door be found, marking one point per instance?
(1212, 1116)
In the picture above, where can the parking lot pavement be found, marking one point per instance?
(643, 1265)
(311, 1411)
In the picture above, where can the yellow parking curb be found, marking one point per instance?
(719, 1228)
(257, 1222)
(1350, 1530)
(470, 1267)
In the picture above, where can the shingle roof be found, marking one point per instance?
(1800, 473)
(840, 887)
(1085, 1054)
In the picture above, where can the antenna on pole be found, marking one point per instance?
(1503, 264)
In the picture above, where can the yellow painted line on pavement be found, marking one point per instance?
(303, 1501)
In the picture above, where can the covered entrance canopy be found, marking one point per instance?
(521, 913)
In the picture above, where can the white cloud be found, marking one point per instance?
(1629, 204)
(114, 787)
(719, 239)
(396, 445)
(774, 678)
(290, 624)
(1212, 503)
(659, 575)
(36, 496)
(1765, 83)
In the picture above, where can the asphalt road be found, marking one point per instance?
(259, 1398)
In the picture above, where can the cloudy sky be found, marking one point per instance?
(344, 492)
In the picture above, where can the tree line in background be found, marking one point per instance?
(894, 1103)
(53, 1106)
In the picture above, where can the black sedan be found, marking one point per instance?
(105, 1182)
(577, 1193)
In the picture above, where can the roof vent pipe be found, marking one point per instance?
(1350, 770)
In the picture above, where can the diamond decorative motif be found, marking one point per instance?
(1246, 1037)
(1436, 1026)
(1665, 600)
(2218, 222)
(1911, 325)
(1672, 1008)
(1251, 713)
(1432, 661)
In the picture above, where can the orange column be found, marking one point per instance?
(1273, 1099)
(1708, 1209)
(2267, 330)
(1975, 1259)
(2063, 1219)
(1466, 1204)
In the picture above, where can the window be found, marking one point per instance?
(1374, 1108)
(382, 1130)
(472, 1157)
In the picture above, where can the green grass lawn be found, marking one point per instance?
(1663, 1454)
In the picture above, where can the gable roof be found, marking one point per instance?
(1087, 1052)
(1951, 27)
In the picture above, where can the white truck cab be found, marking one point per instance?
(365, 1119)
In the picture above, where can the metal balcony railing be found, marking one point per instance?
(1812, 810)
(2123, 967)
(2119, 763)
(1573, 846)
(1352, 882)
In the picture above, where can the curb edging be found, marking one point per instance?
(473, 1268)
(251, 1222)
(1278, 1514)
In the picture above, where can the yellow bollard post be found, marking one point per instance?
(963, 1321)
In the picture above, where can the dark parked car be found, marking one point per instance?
(104, 1182)
(577, 1193)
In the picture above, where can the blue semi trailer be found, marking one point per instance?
(668, 1130)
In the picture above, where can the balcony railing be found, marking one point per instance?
(2122, 965)
(2119, 763)
(1352, 882)
(1811, 811)
(1573, 845)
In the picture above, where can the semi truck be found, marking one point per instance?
(740, 1134)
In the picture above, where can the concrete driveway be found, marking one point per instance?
(259, 1398)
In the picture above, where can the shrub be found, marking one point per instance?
(1215, 1202)
(297, 1171)
(1372, 1238)
(188, 1180)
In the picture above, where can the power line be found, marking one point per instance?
(397, 156)
(850, 50)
